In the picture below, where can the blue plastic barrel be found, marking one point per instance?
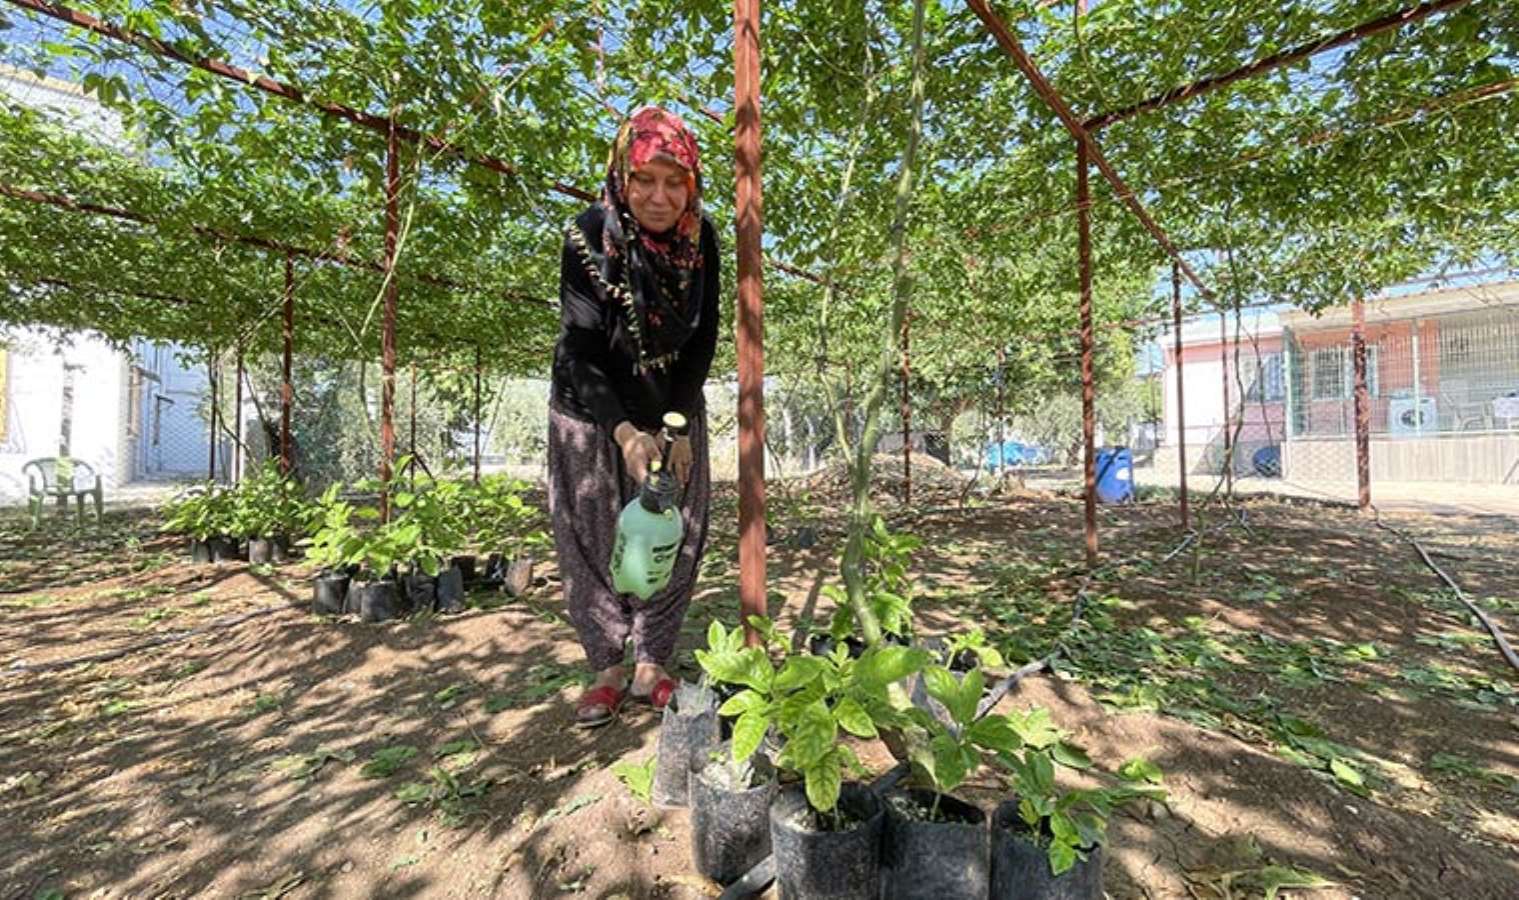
(1115, 475)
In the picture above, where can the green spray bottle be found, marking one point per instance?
(650, 529)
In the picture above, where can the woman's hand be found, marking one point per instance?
(681, 458)
(638, 450)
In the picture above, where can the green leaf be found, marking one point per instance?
(637, 777)
(1071, 756)
(1140, 769)
(1346, 773)
(949, 763)
(882, 666)
(1274, 878)
(748, 667)
(742, 702)
(994, 733)
(385, 762)
(413, 793)
(853, 718)
(972, 686)
(1035, 727)
(748, 733)
(797, 672)
(1062, 857)
(455, 748)
(942, 686)
(824, 779)
(812, 734)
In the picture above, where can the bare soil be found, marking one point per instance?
(173, 730)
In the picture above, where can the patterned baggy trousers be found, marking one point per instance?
(587, 491)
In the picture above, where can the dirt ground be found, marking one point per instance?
(1315, 701)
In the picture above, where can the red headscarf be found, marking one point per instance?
(661, 271)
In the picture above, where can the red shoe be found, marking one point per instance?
(659, 696)
(597, 706)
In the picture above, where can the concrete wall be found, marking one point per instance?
(35, 400)
(1482, 459)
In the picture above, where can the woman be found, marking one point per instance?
(638, 290)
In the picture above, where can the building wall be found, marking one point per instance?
(1394, 349)
(35, 403)
(1260, 423)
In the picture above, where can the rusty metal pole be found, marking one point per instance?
(1223, 359)
(1001, 395)
(1181, 406)
(215, 399)
(906, 410)
(477, 414)
(749, 224)
(1362, 407)
(412, 437)
(287, 389)
(388, 326)
(1088, 389)
(237, 420)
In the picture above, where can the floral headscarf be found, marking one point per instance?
(656, 277)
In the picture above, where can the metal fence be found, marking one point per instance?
(1276, 394)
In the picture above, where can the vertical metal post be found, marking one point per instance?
(749, 225)
(1362, 406)
(1418, 386)
(237, 420)
(1181, 405)
(287, 389)
(906, 410)
(412, 437)
(211, 378)
(1223, 359)
(388, 327)
(477, 414)
(1290, 412)
(1001, 397)
(1088, 388)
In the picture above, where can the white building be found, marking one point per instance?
(132, 416)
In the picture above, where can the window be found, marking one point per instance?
(1328, 374)
(1334, 373)
(1267, 376)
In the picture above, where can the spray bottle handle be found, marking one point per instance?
(675, 427)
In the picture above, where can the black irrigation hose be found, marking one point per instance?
(159, 641)
(1481, 614)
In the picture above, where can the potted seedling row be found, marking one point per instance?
(206, 516)
(825, 832)
(504, 528)
(832, 838)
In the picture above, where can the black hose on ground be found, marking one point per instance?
(1503, 645)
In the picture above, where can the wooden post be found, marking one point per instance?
(1362, 407)
(1181, 406)
(1088, 388)
(388, 326)
(749, 224)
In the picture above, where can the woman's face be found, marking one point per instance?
(657, 194)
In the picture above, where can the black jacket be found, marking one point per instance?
(594, 376)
